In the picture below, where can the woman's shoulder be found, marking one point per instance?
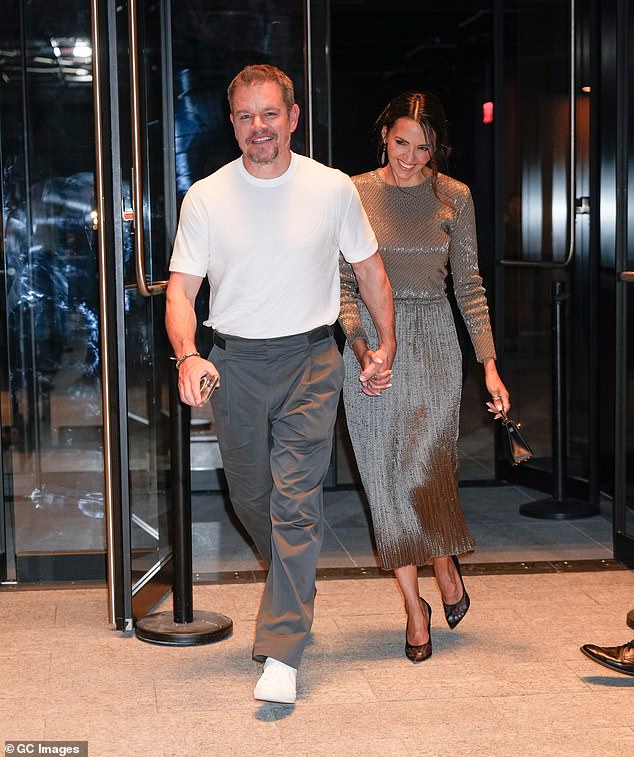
(363, 179)
(452, 188)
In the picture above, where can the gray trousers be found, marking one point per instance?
(275, 412)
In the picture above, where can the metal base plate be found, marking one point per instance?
(559, 509)
(205, 628)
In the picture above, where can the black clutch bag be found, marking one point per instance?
(516, 448)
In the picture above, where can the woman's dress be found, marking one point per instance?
(405, 440)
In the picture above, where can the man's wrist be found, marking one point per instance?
(180, 360)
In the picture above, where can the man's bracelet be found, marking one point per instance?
(182, 359)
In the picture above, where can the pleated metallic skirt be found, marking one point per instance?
(405, 440)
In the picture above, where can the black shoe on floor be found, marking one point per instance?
(620, 659)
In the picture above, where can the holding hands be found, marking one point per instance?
(376, 372)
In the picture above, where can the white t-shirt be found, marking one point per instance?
(270, 247)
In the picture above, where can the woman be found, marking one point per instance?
(405, 440)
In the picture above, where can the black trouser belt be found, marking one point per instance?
(316, 335)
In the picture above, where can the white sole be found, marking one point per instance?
(274, 696)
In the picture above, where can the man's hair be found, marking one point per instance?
(261, 74)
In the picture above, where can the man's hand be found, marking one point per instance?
(375, 376)
(189, 375)
(376, 292)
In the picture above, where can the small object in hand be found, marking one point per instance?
(207, 386)
(516, 448)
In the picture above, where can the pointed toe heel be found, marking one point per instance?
(456, 612)
(420, 652)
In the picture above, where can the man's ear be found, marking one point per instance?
(293, 116)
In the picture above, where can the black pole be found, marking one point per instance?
(182, 627)
(180, 415)
(559, 430)
(559, 506)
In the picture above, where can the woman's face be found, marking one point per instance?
(408, 152)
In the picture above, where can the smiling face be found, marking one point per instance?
(409, 150)
(263, 126)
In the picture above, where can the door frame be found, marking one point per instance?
(125, 602)
(623, 540)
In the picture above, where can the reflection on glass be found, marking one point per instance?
(538, 211)
(53, 403)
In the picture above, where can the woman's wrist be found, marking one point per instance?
(359, 347)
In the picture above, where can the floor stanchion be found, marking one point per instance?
(183, 626)
(559, 506)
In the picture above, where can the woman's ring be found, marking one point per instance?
(373, 376)
(496, 397)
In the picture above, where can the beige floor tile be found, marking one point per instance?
(73, 677)
(21, 727)
(549, 712)
(321, 684)
(434, 677)
(360, 747)
(136, 732)
(522, 743)
(206, 693)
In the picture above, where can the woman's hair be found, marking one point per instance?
(262, 74)
(427, 110)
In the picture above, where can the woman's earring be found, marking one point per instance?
(384, 154)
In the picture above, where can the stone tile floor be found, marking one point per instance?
(503, 535)
(509, 681)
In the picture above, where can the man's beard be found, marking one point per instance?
(264, 161)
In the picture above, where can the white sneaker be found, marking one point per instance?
(277, 682)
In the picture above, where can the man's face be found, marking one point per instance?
(263, 127)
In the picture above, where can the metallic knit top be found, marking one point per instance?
(419, 236)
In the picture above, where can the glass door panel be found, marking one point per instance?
(139, 356)
(544, 230)
(147, 355)
(624, 425)
(51, 388)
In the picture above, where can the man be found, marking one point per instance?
(620, 659)
(266, 229)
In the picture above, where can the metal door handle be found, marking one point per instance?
(627, 276)
(146, 289)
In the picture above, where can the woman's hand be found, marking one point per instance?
(375, 376)
(499, 394)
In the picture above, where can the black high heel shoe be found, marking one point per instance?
(419, 652)
(456, 612)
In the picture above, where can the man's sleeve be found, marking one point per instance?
(191, 246)
(357, 240)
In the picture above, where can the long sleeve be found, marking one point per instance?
(349, 314)
(467, 282)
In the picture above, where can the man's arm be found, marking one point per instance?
(180, 322)
(376, 292)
